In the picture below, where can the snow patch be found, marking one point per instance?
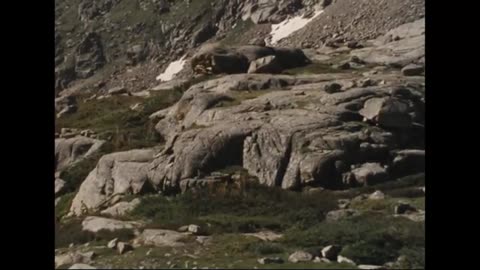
(172, 69)
(290, 25)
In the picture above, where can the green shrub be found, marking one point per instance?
(63, 206)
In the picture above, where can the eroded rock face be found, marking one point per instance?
(115, 174)
(69, 151)
(95, 224)
(289, 131)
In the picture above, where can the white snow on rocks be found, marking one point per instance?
(172, 69)
(290, 25)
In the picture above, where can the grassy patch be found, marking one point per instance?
(64, 204)
(256, 208)
(113, 119)
(371, 238)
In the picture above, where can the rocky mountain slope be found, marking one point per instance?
(247, 154)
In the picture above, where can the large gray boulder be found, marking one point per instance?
(69, 151)
(387, 112)
(300, 256)
(96, 224)
(115, 174)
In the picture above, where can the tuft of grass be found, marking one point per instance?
(113, 119)
(63, 206)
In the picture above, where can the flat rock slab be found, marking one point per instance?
(95, 224)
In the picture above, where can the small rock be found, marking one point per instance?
(300, 256)
(367, 82)
(412, 70)
(195, 229)
(113, 243)
(167, 255)
(333, 88)
(123, 247)
(71, 245)
(377, 195)
(341, 259)
(403, 208)
(269, 260)
(331, 252)
(117, 91)
(183, 228)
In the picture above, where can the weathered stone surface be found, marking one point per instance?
(95, 224)
(408, 48)
(412, 70)
(370, 173)
(377, 195)
(300, 256)
(121, 208)
(70, 151)
(115, 174)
